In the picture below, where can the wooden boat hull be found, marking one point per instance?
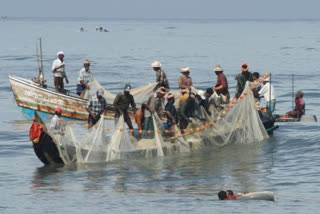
(31, 97)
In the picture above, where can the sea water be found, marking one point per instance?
(288, 163)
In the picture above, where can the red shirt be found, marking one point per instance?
(231, 197)
(299, 105)
(222, 80)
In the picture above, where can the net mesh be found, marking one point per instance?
(238, 122)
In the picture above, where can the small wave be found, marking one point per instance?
(170, 28)
(286, 48)
(310, 49)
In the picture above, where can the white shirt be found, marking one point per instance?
(59, 72)
(265, 91)
(84, 75)
(55, 125)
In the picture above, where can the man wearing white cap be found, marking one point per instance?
(58, 70)
(161, 77)
(97, 105)
(222, 84)
(121, 104)
(185, 81)
(268, 93)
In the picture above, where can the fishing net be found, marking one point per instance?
(237, 122)
(140, 94)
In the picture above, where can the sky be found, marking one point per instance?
(164, 9)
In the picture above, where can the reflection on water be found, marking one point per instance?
(201, 172)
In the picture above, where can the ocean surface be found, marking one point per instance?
(288, 163)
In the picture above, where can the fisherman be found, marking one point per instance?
(205, 96)
(171, 112)
(255, 90)
(121, 104)
(266, 93)
(189, 108)
(84, 78)
(184, 95)
(58, 70)
(55, 124)
(299, 109)
(155, 103)
(185, 81)
(139, 118)
(97, 105)
(221, 87)
(161, 77)
(242, 78)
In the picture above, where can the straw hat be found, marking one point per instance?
(244, 67)
(217, 68)
(156, 64)
(185, 69)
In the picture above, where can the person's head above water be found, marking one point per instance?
(222, 195)
(229, 192)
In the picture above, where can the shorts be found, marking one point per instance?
(58, 81)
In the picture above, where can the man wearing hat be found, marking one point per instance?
(221, 87)
(84, 78)
(58, 70)
(121, 104)
(299, 109)
(185, 81)
(97, 105)
(55, 124)
(242, 78)
(267, 92)
(161, 77)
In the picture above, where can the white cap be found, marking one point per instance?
(185, 69)
(201, 94)
(156, 64)
(100, 92)
(60, 52)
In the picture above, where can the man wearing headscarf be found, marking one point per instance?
(58, 70)
(221, 87)
(121, 104)
(84, 78)
(242, 78)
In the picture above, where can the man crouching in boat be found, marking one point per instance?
(59, 72)
(299, 109)
(55, 124)
(97, 105)
(85, 76)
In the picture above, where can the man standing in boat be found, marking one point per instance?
(185, 81)
(84, 78)
(242, 78)
(222, 84)
(161, 77)
(121, 104)
(97, 105)
(58, 70)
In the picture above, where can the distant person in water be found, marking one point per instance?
(299, 109)
(58, 70)
(228, 195)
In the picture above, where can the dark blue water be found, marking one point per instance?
(287, 163)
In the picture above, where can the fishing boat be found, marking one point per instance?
(31, 96)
